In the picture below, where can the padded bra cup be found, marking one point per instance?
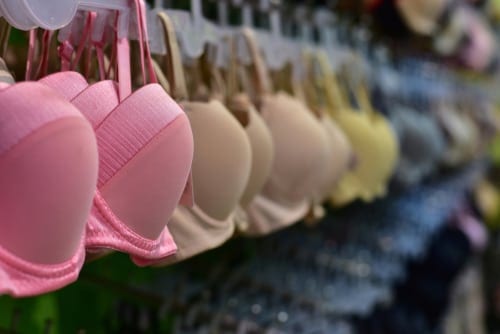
(388, 156)
(463, 135)
(301, 145)
(422, 145)
(222, 158)
(48, 172)
(55, 165)
(262, 145)
(338, 159)
(376, 148)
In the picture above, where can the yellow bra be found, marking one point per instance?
(373, 140)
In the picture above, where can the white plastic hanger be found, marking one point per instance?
(243, 53)
(275, 47)
(55, 14)
(303, 43)
(222, 55)
(192, 29)
(189, 26)
(246, 12)
(302, 17)
(155, 31)
(222, 13)
(324, 21)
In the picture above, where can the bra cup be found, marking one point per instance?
(138, 177)
(453, 127)
(389, 150)
(299, 145)
(222, 158)
(461, 134)
(262, 145)
(48, 182)
(362, 138)
(68, 84)
(472, 138)
(421, 145)
(320, 170)
(338, 159)
(97, 101)
(413, 161)
(134, 192)
(376, 147)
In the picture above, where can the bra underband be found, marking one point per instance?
(20, 278)
(267, 216)
(195, 232)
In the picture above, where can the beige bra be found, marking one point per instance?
(339, 159)
(300, 147)
(261, 140)
(221, 166)
(221, 170)
(262, 145)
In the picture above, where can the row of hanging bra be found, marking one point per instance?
(173, 159)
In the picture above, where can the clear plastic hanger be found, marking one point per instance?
(326, 24)
(246, 12)
(225, 34)
(271, 43)
(243, 51)
(54, 14)
(275, 47)
(193, 30)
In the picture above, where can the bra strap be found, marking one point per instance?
(31, 54)
(261, 80)
(145, 50)
(123, 54)
(173, 63)
(43, 66)
(330, 85)
(5, 29)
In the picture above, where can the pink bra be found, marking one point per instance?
(139, 183)
(145, 154)
(48, 172)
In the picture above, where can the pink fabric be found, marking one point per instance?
(66, 84)
(21, 278)
(96, 102)
(105, 230)
(474, 230)
(131, 126)
(17, 125)
(48, 173)
(479, 53)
